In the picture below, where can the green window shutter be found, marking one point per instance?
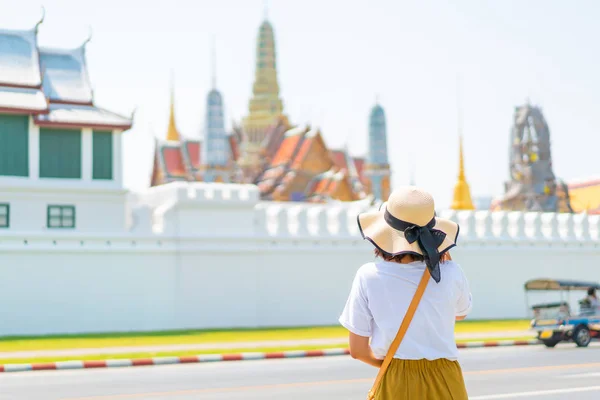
(4, 215)
(60, 153)
(14, 145)
(102, 149)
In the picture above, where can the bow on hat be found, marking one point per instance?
(429, 241)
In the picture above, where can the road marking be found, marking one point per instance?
(584, 375)
(532, 369)
(336, 382)
(536, 393)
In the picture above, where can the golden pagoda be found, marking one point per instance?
(462, 193)
(265, 105)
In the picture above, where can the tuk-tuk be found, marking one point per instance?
(554, 322)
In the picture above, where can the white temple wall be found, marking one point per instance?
(197, 256)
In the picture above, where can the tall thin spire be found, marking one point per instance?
(461, 160)
(265, 106)
(172, 132)
(213, 57)
(266, 9)
(462, 193)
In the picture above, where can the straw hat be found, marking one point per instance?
(407, 224)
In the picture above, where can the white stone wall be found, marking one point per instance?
(97, 210)
(209, 255)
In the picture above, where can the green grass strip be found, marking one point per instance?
(124, 339)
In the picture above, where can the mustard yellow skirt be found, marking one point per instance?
(422, 380)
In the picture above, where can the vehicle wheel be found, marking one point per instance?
(582, 336)
(550, 342)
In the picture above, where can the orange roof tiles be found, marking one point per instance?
(322, 185)
(173, 160)
(193, 152)
(339, 159)
(275, 136)
(302, 152)
(286, 150)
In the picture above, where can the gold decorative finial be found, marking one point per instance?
(172, 132)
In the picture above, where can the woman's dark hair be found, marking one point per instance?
(592, 291)
(415, 257)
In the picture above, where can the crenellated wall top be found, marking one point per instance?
(338, 220)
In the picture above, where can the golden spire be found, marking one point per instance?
(172, 132)
(462, 193)
(265, 106)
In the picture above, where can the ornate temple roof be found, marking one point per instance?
(66, 77)
(22, 100)
(285, 167)
(52, 84)
(20, 77)
(177, 160)
(341, 159)
(19, 58)
(82, 116)
(323, 186)
(289, 146)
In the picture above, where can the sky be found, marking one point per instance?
(335, 58)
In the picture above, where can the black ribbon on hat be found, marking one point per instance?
(429, 240)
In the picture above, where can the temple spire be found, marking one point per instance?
(462, 193)
(172, 132)
(377, 168)
(213, 57)
(265, 106)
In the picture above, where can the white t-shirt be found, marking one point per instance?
(379, 298)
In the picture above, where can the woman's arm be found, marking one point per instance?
(360, 350)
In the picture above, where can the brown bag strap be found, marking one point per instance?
(401, 332)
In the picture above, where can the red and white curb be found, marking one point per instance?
(205, 358)
(499, 343)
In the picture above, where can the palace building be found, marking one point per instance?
(286, 162)
(50, 128)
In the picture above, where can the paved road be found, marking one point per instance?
(491, 373)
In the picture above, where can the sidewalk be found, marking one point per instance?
(337, 342)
